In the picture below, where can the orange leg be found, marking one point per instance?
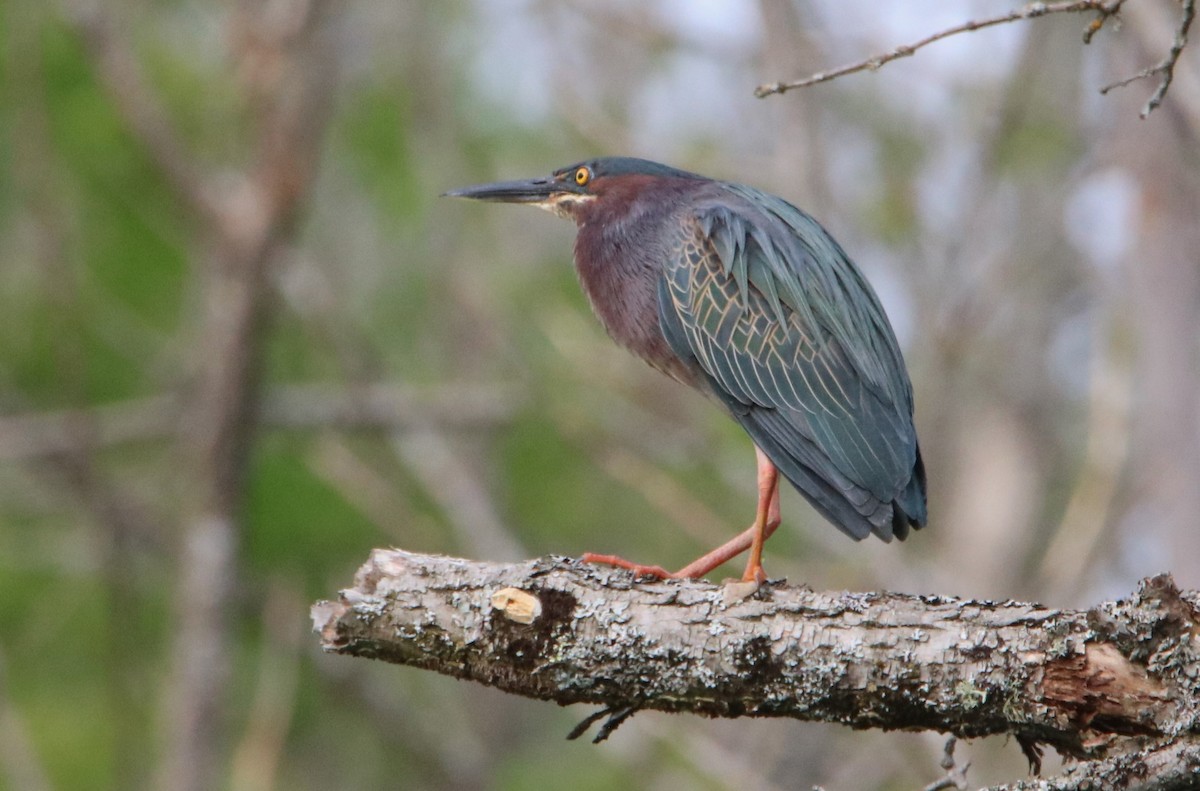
(766, 520)
(766, 514)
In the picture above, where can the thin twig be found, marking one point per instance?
(1102, 16)
(616, 715)
(1165, 67)
(956, 776)
(1031, 11)
(942, 785)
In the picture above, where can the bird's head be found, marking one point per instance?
(569, 192)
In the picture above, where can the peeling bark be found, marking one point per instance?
(1100, 684)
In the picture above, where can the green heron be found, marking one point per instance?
(746, 298)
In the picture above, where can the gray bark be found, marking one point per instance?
(1117, 685)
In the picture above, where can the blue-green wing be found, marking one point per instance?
(794, 342)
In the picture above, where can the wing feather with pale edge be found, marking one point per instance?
(795, 343)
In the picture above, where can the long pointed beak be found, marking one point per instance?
(530, 191)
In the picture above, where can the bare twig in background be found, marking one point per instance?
(1030, 11)
(1104, 10)
(956, 776)
(1111, 9)
(1080, 681)
(1162, 285)
(126, 525)
(1165, 67)
(1152, 24)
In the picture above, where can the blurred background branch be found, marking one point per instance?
(293, 407)
(104, 33)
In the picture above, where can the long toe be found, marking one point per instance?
(638, 569)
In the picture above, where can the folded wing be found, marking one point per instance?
(796, 345)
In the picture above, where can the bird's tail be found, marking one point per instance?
(909, 509)
(851, 508)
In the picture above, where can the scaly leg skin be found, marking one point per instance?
(768, 512)
(767, 519)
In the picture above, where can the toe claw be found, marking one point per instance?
(756, 574)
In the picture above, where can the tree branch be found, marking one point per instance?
(1165, 67)
(1104, 10)
(1093, 684)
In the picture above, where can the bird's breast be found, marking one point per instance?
(619, 274)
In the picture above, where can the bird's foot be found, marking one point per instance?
(733, 590)
(638, 569)
(754, 573)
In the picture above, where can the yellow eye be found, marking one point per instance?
(583, 176)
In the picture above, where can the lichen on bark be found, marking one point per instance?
(1117, 678)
